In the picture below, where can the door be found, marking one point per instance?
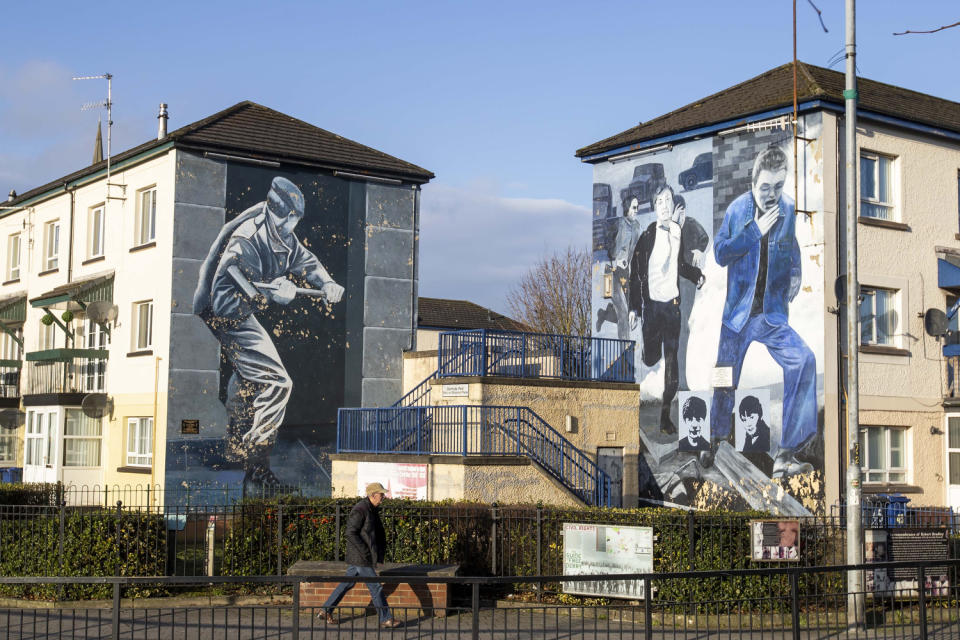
(41, 449)
(610, 460)
(953, 461)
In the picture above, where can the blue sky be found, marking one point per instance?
(493, 97)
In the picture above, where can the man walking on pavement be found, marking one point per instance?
(366, 543)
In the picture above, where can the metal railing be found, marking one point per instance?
(482, 352)
(774, 602)
(66, 371)
(880, 513)
(468, 430)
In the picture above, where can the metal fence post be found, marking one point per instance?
(336, 548)
(493, 539)
(296, 609)
(115, 612)
(279, 538)
(691, 540)
(62, 505)
(922, 600)
(539, 548)
(475, 607)
(483, 353)
(794, 605)
(647, 613)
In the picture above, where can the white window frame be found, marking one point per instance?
(873, 200)
(13, 256)
(33, 440)
(894, 306)
(8, 448)
(953, 451)
(882, 472)
(141, 342)
(51, 245)
(68, 438)
(139, 442)
(146, 225)
(93, 336)
(96, 227)
(48, 337)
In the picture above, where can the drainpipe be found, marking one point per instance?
(415, 276)
(72, 192)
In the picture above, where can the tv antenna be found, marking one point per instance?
(108, 104)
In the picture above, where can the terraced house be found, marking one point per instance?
(196, 313)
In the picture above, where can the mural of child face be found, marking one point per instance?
(694, 427)
(634, 207)
(767, 188)
(750, 423)
(664, 206)
(789, 532)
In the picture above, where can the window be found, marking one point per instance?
(13, 257)
(51, 245)
(95, 227)
(48, 337)
(876, 186)
(878, 316)
(953, 453)
(9, 347)
(33, 441)
(143, 325)
(883, 454)
(8, 448)
(81, 440)
(10, 376)
(146, 226)
(140, 442)
(94, 370)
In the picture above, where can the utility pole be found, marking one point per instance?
(855, 600)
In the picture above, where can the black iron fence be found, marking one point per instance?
(266, 537)
(768, 602)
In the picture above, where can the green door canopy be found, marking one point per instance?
(77, 294)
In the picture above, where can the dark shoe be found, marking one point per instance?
(666, 424)
(392, 623)
(328, 617)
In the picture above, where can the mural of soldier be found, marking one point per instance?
(247, 268)
(628, 233)
(657, 265)
(758, 246)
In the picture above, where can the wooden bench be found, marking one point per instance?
(431, 599)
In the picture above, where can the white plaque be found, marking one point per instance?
(455, 390)
(722, 377)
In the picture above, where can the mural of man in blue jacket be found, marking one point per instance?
(757, 244)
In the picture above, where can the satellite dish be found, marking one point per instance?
(102, 311)
(935, 323)
(11, 418)
(840, 289)
(96, 405)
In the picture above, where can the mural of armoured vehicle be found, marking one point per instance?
(701, 171)
(647, 178)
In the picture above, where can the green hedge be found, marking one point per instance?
(29, 493)
(95, 542)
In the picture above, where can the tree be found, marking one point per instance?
(553, 296)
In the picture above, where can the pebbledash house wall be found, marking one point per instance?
(365, 235)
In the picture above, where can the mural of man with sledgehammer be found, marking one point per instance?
(248, 268)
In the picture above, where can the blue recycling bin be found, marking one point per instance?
(896, 509)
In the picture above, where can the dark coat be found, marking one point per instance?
(762, 442)
(699, 444)
(366, 538)
(640, 295)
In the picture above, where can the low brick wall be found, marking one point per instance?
(430, 599)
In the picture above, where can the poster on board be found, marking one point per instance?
(590, 549)
(775, 540)
(401, 480)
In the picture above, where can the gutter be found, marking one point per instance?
(766, 115)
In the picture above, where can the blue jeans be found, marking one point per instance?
(376, 592)
(799, 378)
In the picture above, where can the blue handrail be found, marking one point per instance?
(484, 352)
(469, 430)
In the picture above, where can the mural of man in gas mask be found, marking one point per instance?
(246, 269)
(655, 270)
(757, 243)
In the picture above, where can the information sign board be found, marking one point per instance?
(598, 548)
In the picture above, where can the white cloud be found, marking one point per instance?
(475, 244)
